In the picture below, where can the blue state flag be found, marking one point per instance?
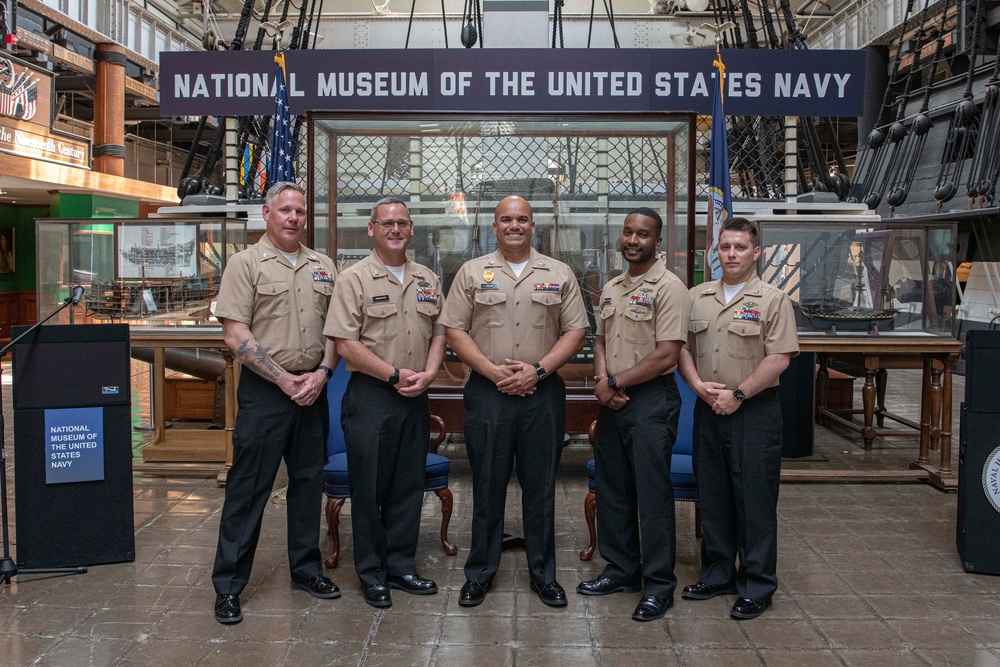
(720, 199)
(282, 163)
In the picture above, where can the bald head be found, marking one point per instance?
(514, 224)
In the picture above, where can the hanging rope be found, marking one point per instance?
(472, 24)
(609, 11)
(557, 24)
(912, 146)
(985, 168)
(870, 159)
(964, 122)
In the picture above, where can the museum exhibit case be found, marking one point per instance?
(581, 173)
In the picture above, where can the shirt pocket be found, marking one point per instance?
(272, 300)
(638, 325)
(696, 337)
(545, 309)
(381, 321)
(744, 340)
(322, 291)
(489, 309)
(428, 310)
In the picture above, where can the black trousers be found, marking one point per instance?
(635, 499)
(502, 430)
(737, 460)
(269, 427)
(387, 437)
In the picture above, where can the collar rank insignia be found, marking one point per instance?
(427, 295)
(641, 300)
(321, 275)
(548, 287)
(747, 313)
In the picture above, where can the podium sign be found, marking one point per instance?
(73, 446)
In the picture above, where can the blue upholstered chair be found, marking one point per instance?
(681, 468)
(335, 484)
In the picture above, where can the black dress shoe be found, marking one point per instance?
(413, 584)
(702, 591)
(227, 609)
(318, 587)
(651, 607)
(377, 595)
(745, 608)
(603, 586)
(473, 593)
(551, 593)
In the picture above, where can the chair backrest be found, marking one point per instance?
(335, 394)
(685, 425)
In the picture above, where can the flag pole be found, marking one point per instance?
(720, 204)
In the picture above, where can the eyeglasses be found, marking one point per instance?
(389, 224)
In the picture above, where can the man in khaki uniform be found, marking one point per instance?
(741, 338)
(272, 304)
(514, 317)
(383, 317)
(643, 324)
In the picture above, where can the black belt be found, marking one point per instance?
(763, 394)
(304, 372)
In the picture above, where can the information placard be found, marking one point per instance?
(74, 445)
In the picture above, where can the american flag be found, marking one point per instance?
(282, 164)
(19, 100)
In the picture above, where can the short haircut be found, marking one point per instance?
(741, 225)
(275, 191)
(387, 200)
(649, 213)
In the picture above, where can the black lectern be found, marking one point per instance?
(73, 446)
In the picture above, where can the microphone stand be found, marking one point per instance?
(8, 568)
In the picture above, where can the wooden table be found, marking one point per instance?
(935, 355)
(187, 445)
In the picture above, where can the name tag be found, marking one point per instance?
(380, 298)
(489, 286)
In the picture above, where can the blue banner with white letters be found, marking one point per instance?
(773, 82)
(74, 445)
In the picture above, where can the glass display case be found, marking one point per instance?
(862, 276)
(581, 174)
(156, 271)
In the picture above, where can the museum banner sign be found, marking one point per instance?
(780, 82)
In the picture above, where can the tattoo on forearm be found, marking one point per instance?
(258, 358)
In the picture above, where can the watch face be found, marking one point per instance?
(738, 394)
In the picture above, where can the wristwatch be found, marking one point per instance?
(394, 378)
(540, 373)
(612, 382)
(738, 394)
(327, 370)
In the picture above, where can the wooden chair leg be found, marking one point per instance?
(590, 514)
(333, 506)
(447, 500)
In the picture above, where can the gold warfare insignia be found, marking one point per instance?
(488, 275)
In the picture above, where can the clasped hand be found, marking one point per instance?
(515, 378)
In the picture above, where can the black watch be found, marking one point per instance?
(540, 373)
(612, 382)
(394, 378)
(327, 370)
(739, 395)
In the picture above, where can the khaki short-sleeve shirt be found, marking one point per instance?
(395, 321)
(284, 306)
(636, 315)
(510, 317)
(729, 341)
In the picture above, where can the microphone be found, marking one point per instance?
(77, 295)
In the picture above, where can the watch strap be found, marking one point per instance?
(394, 378)
(540, 372)
(612, 382)
(327, 370)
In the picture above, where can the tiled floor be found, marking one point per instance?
(869, 575)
